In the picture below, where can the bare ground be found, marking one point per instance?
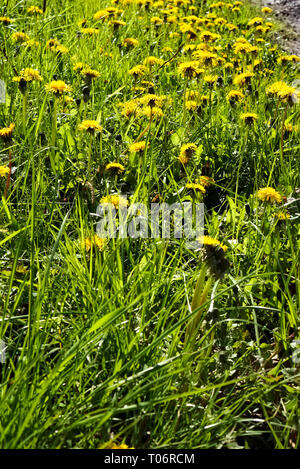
(288, 11)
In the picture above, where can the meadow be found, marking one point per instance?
(144, 342)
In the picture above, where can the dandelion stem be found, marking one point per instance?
(53, 135)
(281, 138)
(8, 175)
(24, 116)
(90, 158)
(199, 298)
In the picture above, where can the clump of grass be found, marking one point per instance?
(145, 343)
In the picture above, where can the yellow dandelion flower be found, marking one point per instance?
(187, 151)
(58, 87)
(153, 61)
(249, 117)
(90, 126)
(82, 22)
(190, 69)
(101, 14)
(268, 194)
(115, 199)
(31, 43)
(89, 31)
(209, 241)
(206, 57)
(156, 20)
(78, 66)
(112, 11)
(208, 36)
(192, 94)
(235, 96)
(119, 446)
(5, 20)
(33, 10)
(138, 71)
(137, 147)
(130, 42)
(243, 79)
(6, 132)
(60, 49)
(117, 23)
(210, 79)
(255, 21)
(4, 170)
(205, 181)
(65, 99)
(129, 108)
(166, 50)
(290, 128)
(28, 75)
(281, 215)
(196, 187)
(116, 168)
(282, 59)
(231, 27)
(152, 100)
(90, 73)
(281, 90)
(266, 10)
(149, 111)
(191, 105)
(244, 48)
(94, 241)
(20, 37)
(52, 43)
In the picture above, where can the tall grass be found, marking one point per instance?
(108, 345)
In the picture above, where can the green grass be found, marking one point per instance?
(113, 345)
